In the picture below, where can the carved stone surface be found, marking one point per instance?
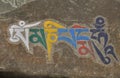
(13, 57)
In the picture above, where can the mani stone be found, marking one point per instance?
(16, 62)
